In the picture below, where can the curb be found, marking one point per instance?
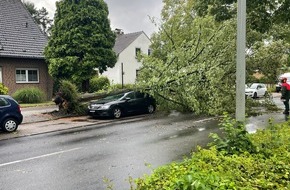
(57, 125)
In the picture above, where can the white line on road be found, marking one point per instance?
(37, 157)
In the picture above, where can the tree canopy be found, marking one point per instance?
(261, 15)
(81, 41)
(193, 62)
(268, 24)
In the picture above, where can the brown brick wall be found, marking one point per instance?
(9, 66)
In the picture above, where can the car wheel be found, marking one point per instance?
(255, 95)
(116, 112)
(150, 108)
(10, 125)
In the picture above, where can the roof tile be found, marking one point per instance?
(20, 36)
(124, 40)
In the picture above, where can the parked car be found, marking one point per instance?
(10, 114)
(118, 105)
(278, 85)
(256, 90)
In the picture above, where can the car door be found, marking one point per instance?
(136, 103)
(264, 89)
(258, 90)
(141, 101)
(4, 107)
(130, 102)
(261, 89)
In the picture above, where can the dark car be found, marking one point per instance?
(132, 102)
(10, 114)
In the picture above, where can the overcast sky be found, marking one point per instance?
(129, 15)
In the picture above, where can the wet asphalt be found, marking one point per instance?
(104, 154)
(85, 157)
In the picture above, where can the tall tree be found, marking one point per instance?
(43, 20)
(30, 7)
(268, 23)
(40, 16)
(270, 59)
(81, 41)
(261, 15)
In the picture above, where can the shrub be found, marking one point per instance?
(99, 83)
(68, 92)
(3, 89)
(235, 140)
(29, 95)
(267, 167)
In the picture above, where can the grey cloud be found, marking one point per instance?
(129, 15)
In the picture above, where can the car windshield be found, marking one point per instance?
(253, 86)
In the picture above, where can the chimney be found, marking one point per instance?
(119, 31)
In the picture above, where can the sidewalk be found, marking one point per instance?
(37, 114)
(37, 120)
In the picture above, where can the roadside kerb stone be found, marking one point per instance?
(41, 127)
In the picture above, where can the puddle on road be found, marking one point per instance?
(190, 129)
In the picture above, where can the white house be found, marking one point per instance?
(127, 47)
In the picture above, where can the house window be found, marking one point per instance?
(0, 74)
(137, 51)
(27, 76)
(149, 51)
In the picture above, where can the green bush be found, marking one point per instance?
(99, 83)
(219, 167)
(68, 91)
(3, 89)
(29, 95)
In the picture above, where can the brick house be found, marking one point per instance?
(22, 43)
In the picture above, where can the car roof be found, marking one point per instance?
(9, 98)
(256, 83)
(285, 75)
(5, 96)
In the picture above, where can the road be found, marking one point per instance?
(82, 158)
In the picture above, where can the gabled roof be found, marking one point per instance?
(20, 36)
(124, 40)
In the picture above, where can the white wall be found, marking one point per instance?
(130, 63)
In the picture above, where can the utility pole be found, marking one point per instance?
(122, 74)
(241, 62)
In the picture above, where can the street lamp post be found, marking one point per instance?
(241, 61)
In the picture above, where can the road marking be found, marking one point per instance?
(38, 157)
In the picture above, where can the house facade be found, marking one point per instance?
(22, 44)
(127, 47)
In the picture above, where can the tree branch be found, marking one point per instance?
(173, 101)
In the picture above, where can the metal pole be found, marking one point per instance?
(241, 61)
(122, 73)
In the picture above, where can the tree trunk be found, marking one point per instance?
(85, 85)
